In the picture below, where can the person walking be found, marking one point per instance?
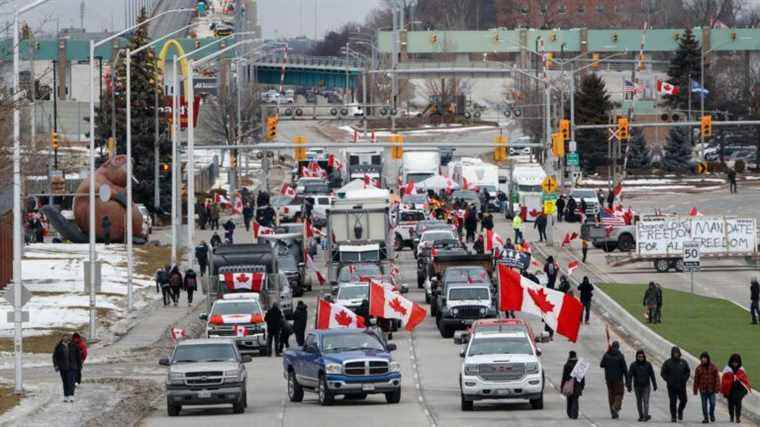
(201, 255)
(300, 317)
(247, 216)
(66, 361)
(470, 224)
(734, 386)
(658, 309)
(586, 290)
(615, 373)
(540, 224)
(564, 285)
(707, 384)
(517, 223)
(190, 284)
(487, 223)
(105, 224)
(584, 250)
(570, 209)
(175, 284)
(215, 212)
(571, 387)
(215, 241)
(754, 298)
(551, 269)
(675, 371)
(642, 381)
(162, 282)
(82, 346)
(560, 207)
(650, 302)
(610, 199)
(286, 330)
(731, 175)
(274, 321)
(229, 232)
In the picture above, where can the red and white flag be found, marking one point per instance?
(560, 311)
(494, 242)
(695, 212)
(572, 266)
(408, 189)
(260, 230)
(387, 305)
(313, 268)
(618, 189)
(287, 190)
(569, 237)
(220, 199)
(371, 182)
(334, 316)
(665, 88)
(253, 282)
(466, 185)
(240, 331)
(178, 334)
(238, 208)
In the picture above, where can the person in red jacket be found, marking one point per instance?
(82, 346)
(734, 386)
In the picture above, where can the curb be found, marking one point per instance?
(638, 333)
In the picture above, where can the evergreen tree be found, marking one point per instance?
(592, 106)
(684, 64)
(677, 151)
(145, 87)
(639, 156)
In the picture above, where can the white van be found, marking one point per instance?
(419, 165)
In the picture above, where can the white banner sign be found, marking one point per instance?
(716, 235)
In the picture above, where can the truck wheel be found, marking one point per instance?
(609, 247)
(295, 391)
(393, 396)
(238, 407)
(678, 265)
(626, 243)
(661, 265)
(467, 405)
(325, 397)
(537, 403)
(173, 410)
(245, 397)
(446, 332)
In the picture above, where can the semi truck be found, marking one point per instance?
(419, 165)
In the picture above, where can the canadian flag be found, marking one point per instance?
(387, 305)
(238, 208)
(618, 189)
(331, 160)
(695, 212)
(240, 331)
(466, 185)
(371, 182)
(313, 268)
(560, 311)
(493, 241)
(287, 190)
(178, 333)
(409, 189)
(260, 230)
(569, 237)
(334, 316)
(220, 199)
(571, 267)
(245, 281)
(665, 88)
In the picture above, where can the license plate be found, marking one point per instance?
(503, 391)
(368, 387)
(204, 394)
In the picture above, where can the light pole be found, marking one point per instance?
(130, 262)
(93, 255)
(17, 238)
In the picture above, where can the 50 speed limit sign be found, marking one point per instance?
(691, 256)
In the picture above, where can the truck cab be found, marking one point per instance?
(348, 362)
(460, 304)
(363, 161)
(407, 222)
(419, 165)
(525, 190)
(238, 317)
(244, 268)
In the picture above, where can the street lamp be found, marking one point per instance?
(130, 298)
(17, 239)
(93, 254)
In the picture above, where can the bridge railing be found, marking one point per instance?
(319, 61)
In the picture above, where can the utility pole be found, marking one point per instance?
(394, 65)
(55, 111)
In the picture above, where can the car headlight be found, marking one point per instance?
(176, 377)
(333, 368)
(531, 367)
(455, 311)
(471, 369)
(483, 311)
(395, 367)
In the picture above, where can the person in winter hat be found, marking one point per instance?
(586, 290)
(734, 386)
(190, 284)
(615, 373)
(650, 301)
(300, 318)
(66, 361)
(642, 381)
(551, 269)
(676, 372)
(707, 384)
(564, 285)
(573, 398)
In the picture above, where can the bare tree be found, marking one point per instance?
(219, 117)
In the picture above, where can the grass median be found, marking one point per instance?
(8, 399)
(697, 323)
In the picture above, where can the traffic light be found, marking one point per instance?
(595, 61)
(272, 123)
(558, 144)
(299, 154)
(233, 159)
(54, 140)
(564, 128)
(397, 150)
(166, 167)
(705, 126)
(500, 149)
(623, 130)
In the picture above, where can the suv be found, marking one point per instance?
(240, 317)
(351, 295)
(456, 275)
(461, 305)
(206, 372)
(501, 365)
(407, 222)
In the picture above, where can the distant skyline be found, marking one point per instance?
(279, 21)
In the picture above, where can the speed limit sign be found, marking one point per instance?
(691, 256)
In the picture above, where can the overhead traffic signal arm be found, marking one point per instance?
(705, 126)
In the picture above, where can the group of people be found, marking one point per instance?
(170, 282)
(69, 355)
(208, 215)
(639, 378)
(279, 329)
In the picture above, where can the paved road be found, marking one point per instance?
(171, 21)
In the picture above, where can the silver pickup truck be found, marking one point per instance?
(206, 372)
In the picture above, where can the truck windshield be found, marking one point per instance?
(204, 353)
(353, 292)
(411, 216)
(318, 188)
(529, 188)
(474, 274)
(236, 307)
(417, 177)
(287, 263)
(500, 345)
(477, 293)
(355, 272)
(438, 235)
(348, 342)
(368, 256)
(414, 199)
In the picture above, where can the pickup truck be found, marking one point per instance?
(609, 238)
(205, 372)
(348, 362)
(407, 223)
(462, 304)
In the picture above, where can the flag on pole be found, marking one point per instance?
(665, 88)
(697, 88)
(572, 266)
(335, 316)
(387, 305)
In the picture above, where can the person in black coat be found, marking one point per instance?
(300, 317)
(265, 215)
(190, 284)
(215, 240)
(676, 372)
(201, 255)
(564, 285)
(274, 319)
(754, 300)
(285, 332)
(572, 399)
(552, 270)
(642, 380)
(471, 223)
(560, 207)
(540, 224)
(570, 209)
(67, 360)
(247, 216)
(610, 199)
(229, 231)
(615, 374)
(587, 293)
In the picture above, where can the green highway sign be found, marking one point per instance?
(572, 159)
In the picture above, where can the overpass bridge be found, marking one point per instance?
(302, 70)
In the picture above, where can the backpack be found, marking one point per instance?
(191, 283)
